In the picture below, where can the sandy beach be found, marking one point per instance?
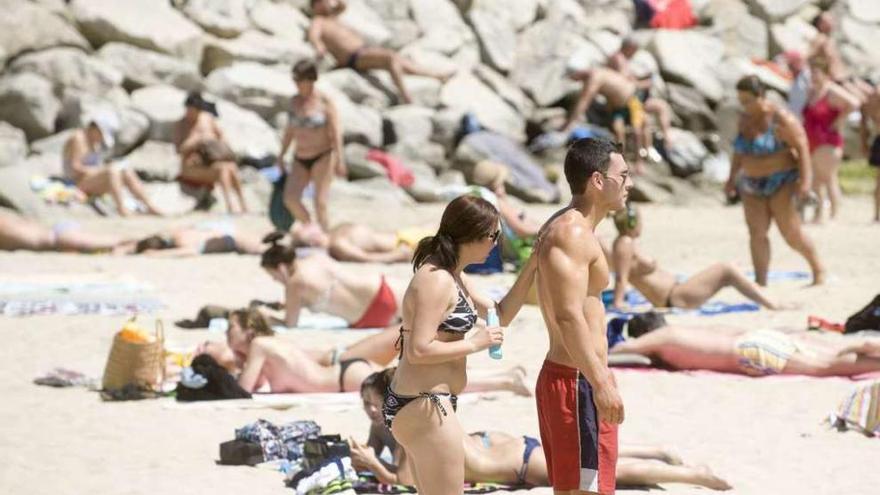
(765, 436)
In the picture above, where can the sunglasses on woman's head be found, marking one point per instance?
(495, 235)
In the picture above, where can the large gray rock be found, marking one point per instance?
(155, 160)
(685, 152)
(52, 145)
(522, 12)
(247, 133)
(467, 92)
(389, 10)
(358, 89)
(793, 34)
(360, 17)
(279, 19)
(493, 24)
(45, 164)
(441, 39)
(864, 10)
(511, 94)
(225, 18)
(864, 36)
(163, 105)
(69, 68)
(403, 32)
(144, 23)
(79, 109)
(411, 123)
(431, 153)
(697, 68)
(253, 46)
(15, 192)
(28, 103)
(360, 123)
(433, 14)
(142, 67)
(777, 10)
(688, 104)
(743, 35)
(13, 145)
(253, 86)
(735, 68)
(543, 51)
(26, 27)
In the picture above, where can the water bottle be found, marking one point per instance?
(492, 321)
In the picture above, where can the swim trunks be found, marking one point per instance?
(581, 451)
(633, 113)
(382, 310)
(764, 352)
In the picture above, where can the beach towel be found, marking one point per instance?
(335, 475)
(104, 297)
(56, 191)
(638, 304)
(398, 173)
(859, 410)
(327, 402)
(525, 178)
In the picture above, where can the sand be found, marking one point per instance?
(765, 436)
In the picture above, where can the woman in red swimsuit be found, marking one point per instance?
(828, 101)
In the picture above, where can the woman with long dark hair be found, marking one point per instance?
(440, 307)
(771, 170)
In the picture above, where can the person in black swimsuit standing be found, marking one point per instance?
(314, 126)
(439, 308)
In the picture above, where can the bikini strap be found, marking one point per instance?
(398, 344)
(435, 399)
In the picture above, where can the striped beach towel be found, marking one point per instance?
(860, 410)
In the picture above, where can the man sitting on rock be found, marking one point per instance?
(755, 352)
(328, 34)
(620, 61)
(620, 93)
(205, 157)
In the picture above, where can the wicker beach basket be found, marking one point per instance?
(138, 363)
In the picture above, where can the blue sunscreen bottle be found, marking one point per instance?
(492, 321)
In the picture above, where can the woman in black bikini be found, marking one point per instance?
(439, 308)
(314, 125)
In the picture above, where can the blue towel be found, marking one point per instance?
(634, 298)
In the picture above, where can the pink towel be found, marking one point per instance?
(398, 173)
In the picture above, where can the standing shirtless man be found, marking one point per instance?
(578, 404)
(328, 34)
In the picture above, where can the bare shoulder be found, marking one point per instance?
(432, 280)
(572, 235)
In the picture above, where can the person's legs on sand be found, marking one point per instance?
(757, 213)
(782, 207)
(698, 289)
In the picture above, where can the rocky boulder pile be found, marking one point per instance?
(61, 61)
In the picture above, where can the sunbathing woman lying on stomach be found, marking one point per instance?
(661, 287)
(496, 457)
(280, 363)
(319, 283)
(758, 352)
(212, 237)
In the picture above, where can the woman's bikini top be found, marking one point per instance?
(763, 144)
(462, 319)
(308, 121)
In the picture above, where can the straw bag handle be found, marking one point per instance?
(160, 340)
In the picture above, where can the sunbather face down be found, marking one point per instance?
(662, 288)
(17, 232)
(204, 238)
(321, 284)
(756, 352)
(497, 457)
(361, 243)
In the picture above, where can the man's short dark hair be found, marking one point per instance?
(585, 157)
(643, 323)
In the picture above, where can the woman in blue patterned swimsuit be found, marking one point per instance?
(439, 308)
(770, 169)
